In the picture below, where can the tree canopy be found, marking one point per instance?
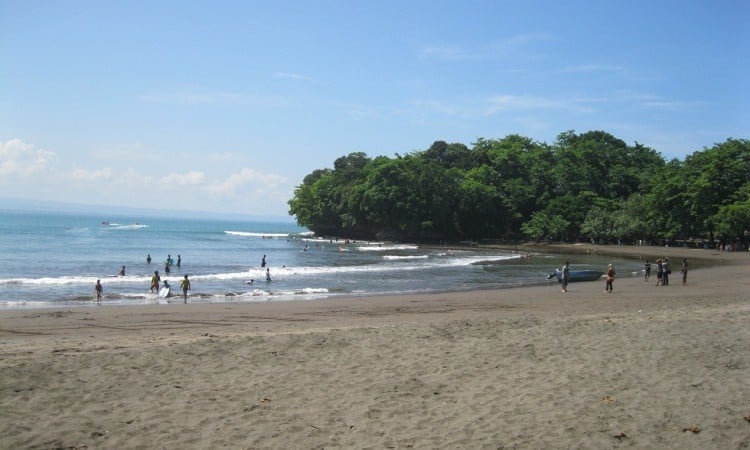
(583, 186)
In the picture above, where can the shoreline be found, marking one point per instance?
(516, 368)
(698, 258)
(650, 252)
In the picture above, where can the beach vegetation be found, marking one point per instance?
(581, 187)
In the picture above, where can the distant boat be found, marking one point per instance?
(577, 275)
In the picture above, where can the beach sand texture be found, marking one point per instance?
(642, 367)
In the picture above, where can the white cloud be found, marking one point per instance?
(90, 175)
(192, 178)
(292, 76)
(503, 103)
(652, 101)
(132, 178)
(675, 106)
(246, 177)
(498, 104)
(22, 159)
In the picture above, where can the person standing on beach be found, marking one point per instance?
(155, 280)
(99, 290)
(665, 271)
(647, 274)
(610, 278)
(565, 276)
(659, 271)
(185, 285)
(684, 271)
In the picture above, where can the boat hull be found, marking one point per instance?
(578, 275)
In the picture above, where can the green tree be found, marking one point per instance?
(545, 226)
(732, 221)
(587, 185)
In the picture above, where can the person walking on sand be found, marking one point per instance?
(185, 285)
(647, 274)
(684, 271)
(155, 280)
(99, 290)
(610, 278)
(565, 276)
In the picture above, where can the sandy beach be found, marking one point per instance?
(642, 367)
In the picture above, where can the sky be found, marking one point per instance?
(225, 106)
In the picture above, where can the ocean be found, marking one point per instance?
(55, 259)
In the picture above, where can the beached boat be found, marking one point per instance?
(577, 275)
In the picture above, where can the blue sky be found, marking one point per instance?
(224, 106)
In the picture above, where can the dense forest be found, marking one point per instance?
(581, 187)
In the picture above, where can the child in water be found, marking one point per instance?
(185, 285)
(155, 281)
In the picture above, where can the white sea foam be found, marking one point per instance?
(288, 294)
(419, 262)
(135, 226)
(401, 258)
(255, 234)
(317, 240)
(386, 248)
(64, 280)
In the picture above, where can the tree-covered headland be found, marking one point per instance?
(581, 187)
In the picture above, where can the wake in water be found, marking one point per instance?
(117, 226)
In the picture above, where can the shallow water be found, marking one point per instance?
(51, 259)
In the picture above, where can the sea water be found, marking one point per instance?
(55, 259)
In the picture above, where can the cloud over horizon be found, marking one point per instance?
(21, 159)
